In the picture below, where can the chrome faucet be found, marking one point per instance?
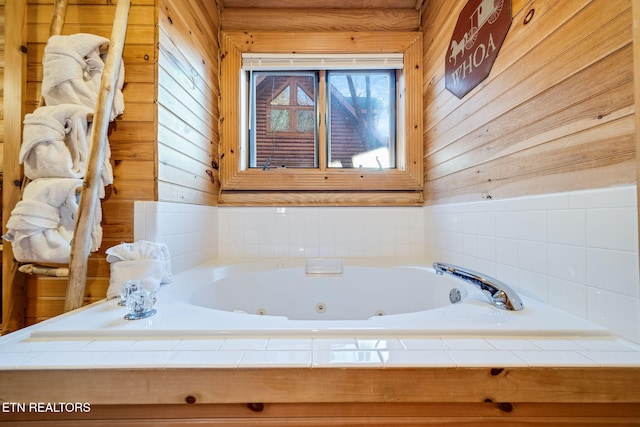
(499, 294)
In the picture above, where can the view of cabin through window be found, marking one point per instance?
(360, 111)
(361, 123)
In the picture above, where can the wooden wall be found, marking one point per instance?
(556, 113)
(1, 79)
(188, 102)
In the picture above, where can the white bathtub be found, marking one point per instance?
(277, 298)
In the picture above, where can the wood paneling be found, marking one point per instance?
(320, 19)
(409, 396)
(557, 107)
(188, 102)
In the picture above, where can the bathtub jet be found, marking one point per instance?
(499, 294)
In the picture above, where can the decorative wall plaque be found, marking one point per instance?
(481, 28)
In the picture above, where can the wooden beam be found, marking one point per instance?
(13, 289)
(89, 200)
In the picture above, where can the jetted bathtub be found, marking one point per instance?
(350, 297)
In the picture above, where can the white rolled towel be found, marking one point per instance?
(142, 260)
(41, 226)
(55, 142)
(72, 70)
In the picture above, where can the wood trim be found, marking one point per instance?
(409, 179)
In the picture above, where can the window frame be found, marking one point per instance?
(242, 185)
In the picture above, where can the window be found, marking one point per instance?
(340, 123)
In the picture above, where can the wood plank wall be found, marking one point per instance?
(188, 102)
(132, 136)
(555, 114)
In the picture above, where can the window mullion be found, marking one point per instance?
(322, 120)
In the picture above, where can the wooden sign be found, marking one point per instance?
(481, 28)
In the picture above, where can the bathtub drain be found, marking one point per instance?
(321, 308)
(261, 312)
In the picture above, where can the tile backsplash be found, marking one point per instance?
(190, 231)
(321, 231)
(577, 251)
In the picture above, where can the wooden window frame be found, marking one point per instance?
(402, 186)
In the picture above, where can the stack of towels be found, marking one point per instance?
(55, 151)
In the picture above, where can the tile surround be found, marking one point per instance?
(577, 251)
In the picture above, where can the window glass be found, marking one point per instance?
(360, 111)
(283, 124)
(362, 119)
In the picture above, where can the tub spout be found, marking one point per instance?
(499, 294)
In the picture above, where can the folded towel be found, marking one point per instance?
(141, 260)
(41, 225)
(73, 69)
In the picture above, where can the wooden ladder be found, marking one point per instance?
(89, 194)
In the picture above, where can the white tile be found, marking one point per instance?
(622, 196)
(613, 229)
(532, 256)
(555, 358)
(379, 344)
(487, 248)
(394, 358)
(620, 314)
(511, 344)
(64, 359)
(335, 344)
(599, 344)
(108, 345)
(199, 344)
(245, 344)
(66, 345)
(568, 227)
(507, 225)
(195, 359)
(137, 359)
(532, 225)
(346, 358)
(532, 284)
(568, 296)
(614, 358)
(467, 344)
(615, 271)
(568, 262)
(22, 346)
(153, 345)
(276, 358)
(424, 344)
(290, 344)
(556, 344)
(507, 251)
(495, 358)
(13, 360)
